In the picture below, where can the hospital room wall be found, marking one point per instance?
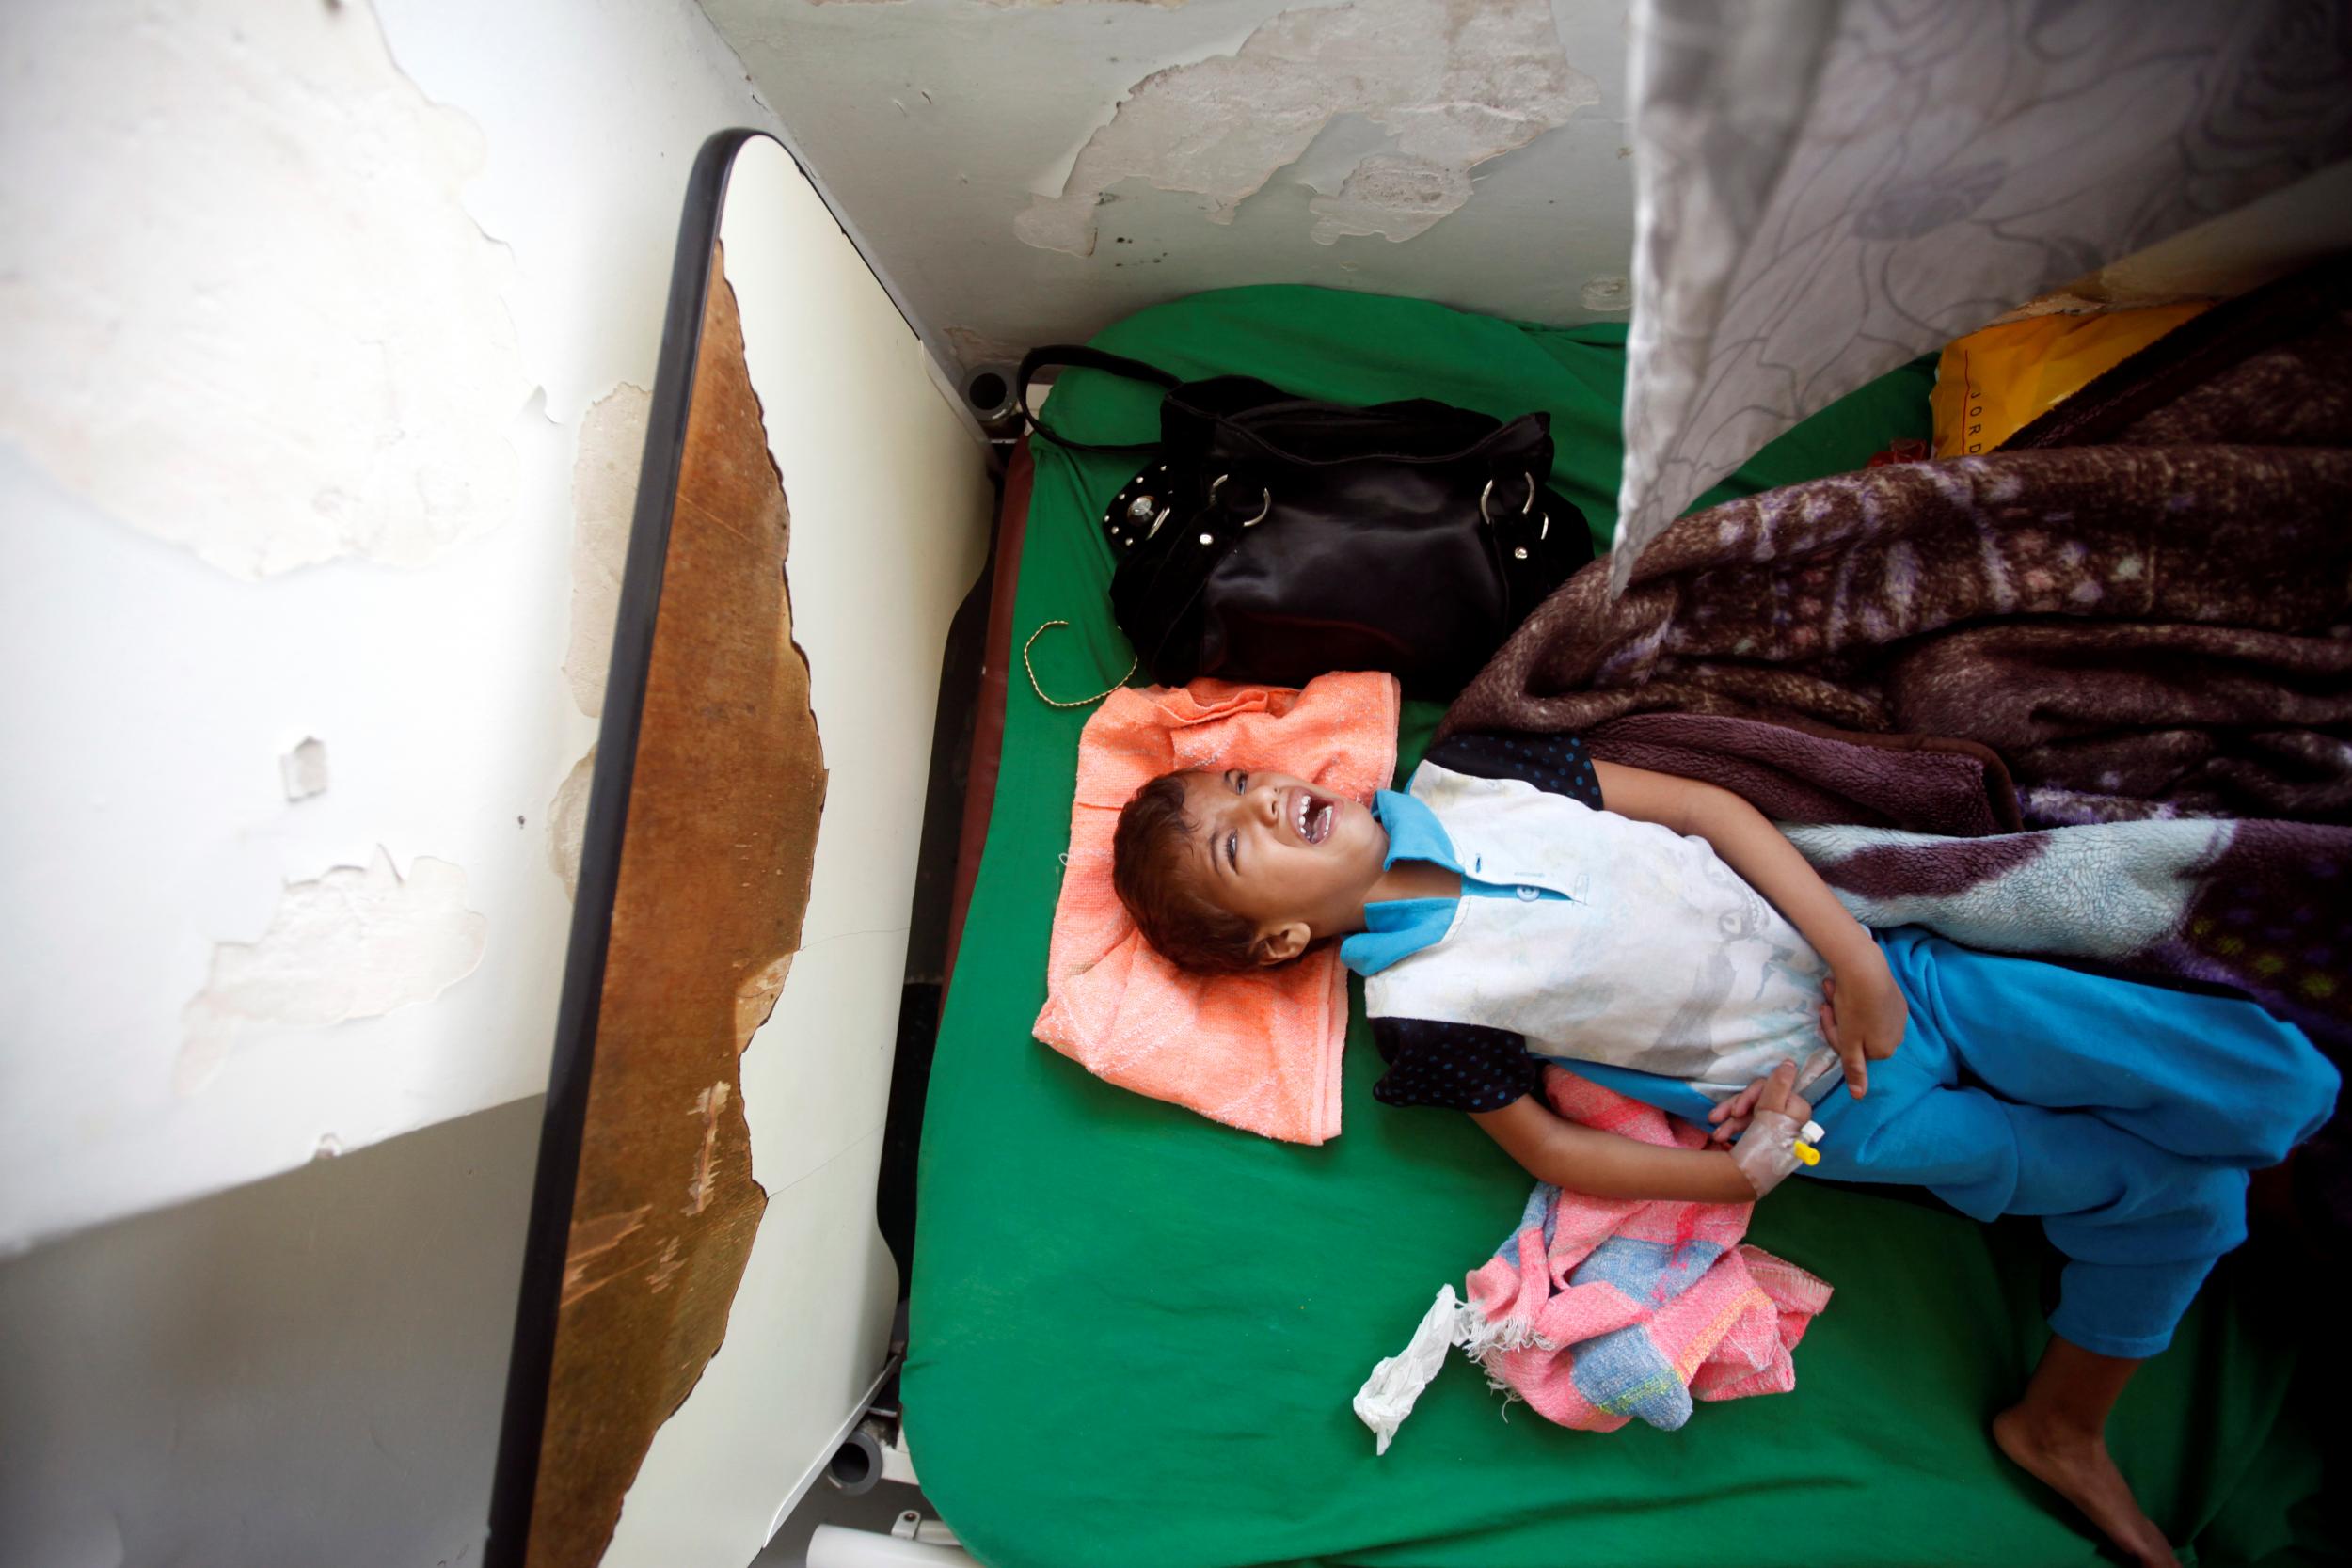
(325, 330)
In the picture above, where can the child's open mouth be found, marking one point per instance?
(1311, 815)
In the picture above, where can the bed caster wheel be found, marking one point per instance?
(856, 1466)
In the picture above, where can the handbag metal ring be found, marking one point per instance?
(1265, 505)
(1525, 507)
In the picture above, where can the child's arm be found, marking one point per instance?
(1552, 1148)
(1587, 1160)
(1863, 1014)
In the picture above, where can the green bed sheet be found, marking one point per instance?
(1134, 1333)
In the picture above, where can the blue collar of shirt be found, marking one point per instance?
(1395, 929)
(1414, 831)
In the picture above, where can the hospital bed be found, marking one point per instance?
(1122, 1333)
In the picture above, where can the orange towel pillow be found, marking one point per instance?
(1258, 1051)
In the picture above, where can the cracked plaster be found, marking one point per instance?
(1450, 86)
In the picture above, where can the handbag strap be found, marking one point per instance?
(1091, 360)
(1133, 665)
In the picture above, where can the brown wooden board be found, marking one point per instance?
(720, 842)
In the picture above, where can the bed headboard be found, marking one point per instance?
(706, 1299)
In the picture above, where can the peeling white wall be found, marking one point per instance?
(604, 501)
(303, 310)
(359, 942)
(1027, 173)
(252, 317)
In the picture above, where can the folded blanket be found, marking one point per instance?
(1596, 1311)
(1258, 1051)
(1811, 774)
(2154, 626)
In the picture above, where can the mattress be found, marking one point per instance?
(1134, 1333)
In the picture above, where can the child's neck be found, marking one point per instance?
(1404, 879)
(1414, 879)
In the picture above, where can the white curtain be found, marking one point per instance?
(1827, 188)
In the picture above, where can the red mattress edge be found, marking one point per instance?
(988, 735)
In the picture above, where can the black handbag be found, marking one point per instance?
(1274, 538)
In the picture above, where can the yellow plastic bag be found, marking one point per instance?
(1992, 383)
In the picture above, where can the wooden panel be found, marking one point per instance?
(714, 880)
(890, 498)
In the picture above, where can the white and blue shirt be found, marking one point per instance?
(1621, 948)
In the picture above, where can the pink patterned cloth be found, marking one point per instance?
(1259, 1052)
(1597, 1311)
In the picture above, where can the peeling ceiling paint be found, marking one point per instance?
(266, 393)
(1451, 87)
(604, 499)
(356, 942)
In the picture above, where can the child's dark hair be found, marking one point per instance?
(1148, 870)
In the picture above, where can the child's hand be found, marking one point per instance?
(1781, 1131)
(1863, 1017)
(1777, 1092)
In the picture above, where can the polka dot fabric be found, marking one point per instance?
(1555, 764)
(1461, 1066)
(1468, 1066)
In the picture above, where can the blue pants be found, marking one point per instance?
(2124, 1117)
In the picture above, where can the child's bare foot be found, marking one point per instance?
(2075, 1465)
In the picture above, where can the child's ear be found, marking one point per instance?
(1280, 944)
